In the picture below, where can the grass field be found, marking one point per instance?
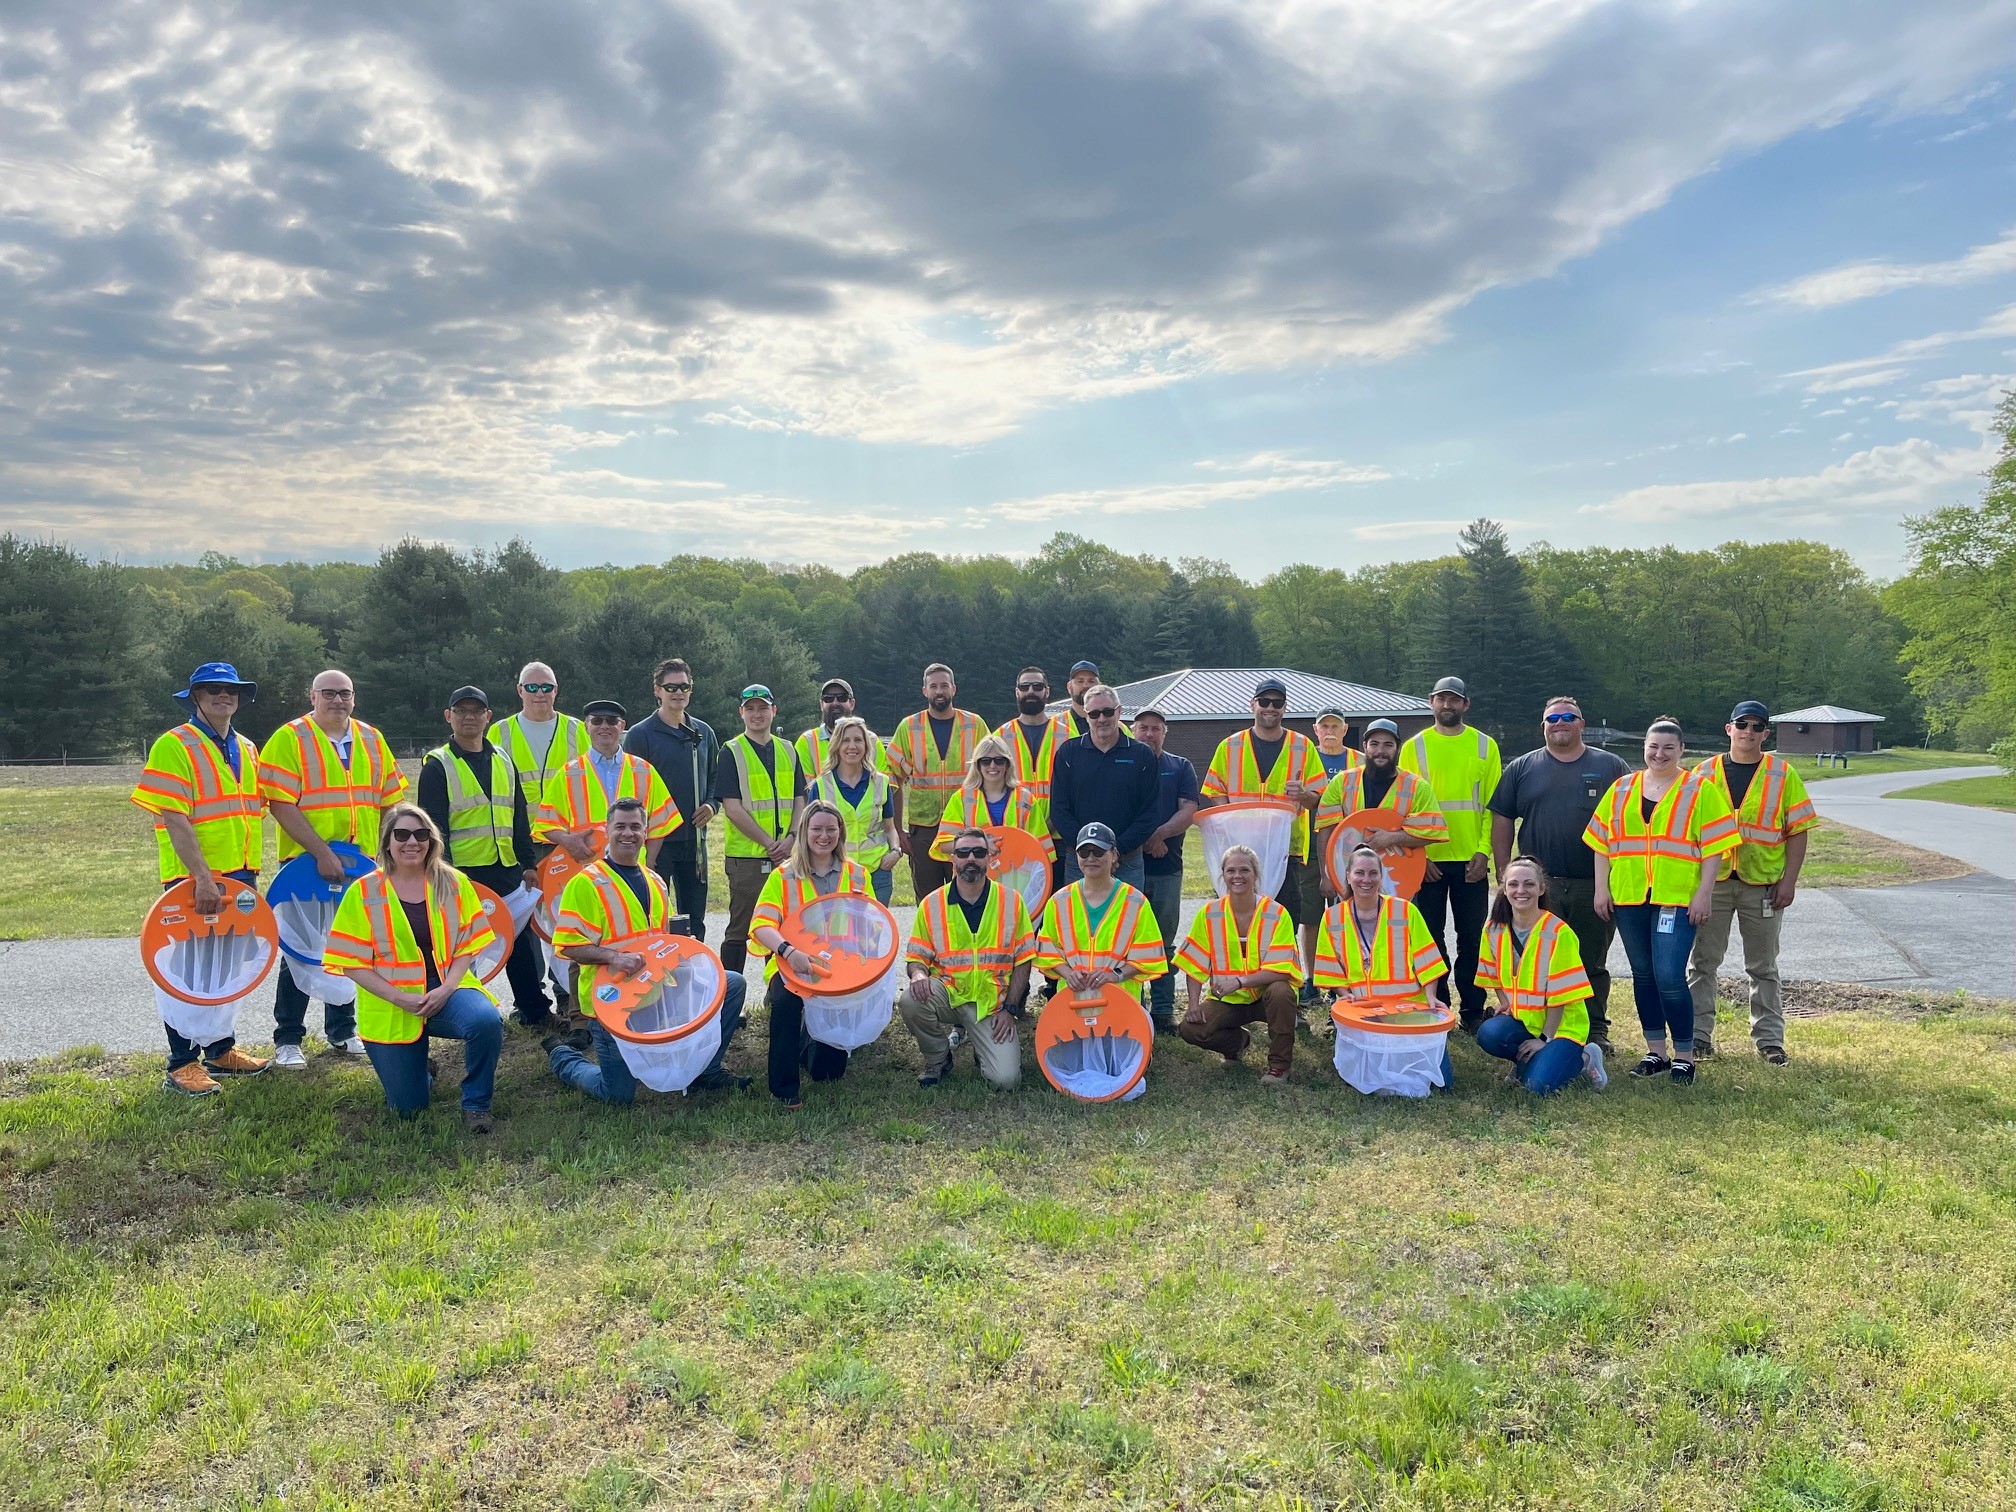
(1894, 759)
(1976, 792)
(1785, 1290)
(1840, 855)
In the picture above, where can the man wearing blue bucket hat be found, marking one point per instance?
(201, 784)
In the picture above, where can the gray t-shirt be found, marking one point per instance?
(1551, 801)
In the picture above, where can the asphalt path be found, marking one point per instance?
(1932, 936)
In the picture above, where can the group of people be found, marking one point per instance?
(1584, 848)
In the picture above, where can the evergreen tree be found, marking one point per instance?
(78, 661)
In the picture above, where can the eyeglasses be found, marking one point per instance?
(1102, 713)
(1751, 724)
(1563, 718)
(1032, 687)
(675, 687)
(1271, 703)
(537, 687)
(603, 719)
(970, 854)
(410, 836)
(335, 693)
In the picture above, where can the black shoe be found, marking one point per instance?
(1652, 1065)
(720, 1081)
(543, 1021)
(1165, 1025)
(476, 1120)
(552, 1042)
(1308, 997)
(1772, 1054)
(1682, 1073)
(1470, 1026)
(1703, 1051)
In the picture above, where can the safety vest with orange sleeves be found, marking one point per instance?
(1126, 934)
(370, 932)
(1660, 862)
(1234, 775)
(187, 773)
(577, 800)
(786, 894)
(966, 809)
(340, 800)
(1774, 809)
(1463, 771)
(974, 964)
(1546, 973)
(597, 907)
(929, 776)
(1033, 768)
(540, 775)
(1393, 956)
(1216, 946)
(1411, 796)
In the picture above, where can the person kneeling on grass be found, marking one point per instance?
(1533, 961)
(968, 961)
(408, 935)
(607, 902)
(1241, 947)
(1377, 949)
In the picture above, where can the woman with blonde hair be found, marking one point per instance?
(408, 936)
(866, 800)
(819, 868)
(991, 799)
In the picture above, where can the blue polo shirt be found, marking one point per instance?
(1178, 782)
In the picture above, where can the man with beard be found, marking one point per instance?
(1461, 765)
(1034, 737)
(836, 702)
(1549, 795)
(928, 756)
(968, 961)
(1083, 679)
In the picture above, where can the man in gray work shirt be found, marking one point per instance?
(1550, 794)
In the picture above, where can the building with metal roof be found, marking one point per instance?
(1826, 727)
(1203, 705)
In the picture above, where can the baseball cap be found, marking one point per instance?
(756, 691)
(1385, 725)
(1453, 685)
(1333, 712)
(1270, 685)
(1097, 834)
(1749, 706)
(469, 693)
(220, 675)
(1084, 666)
(832, 682)
(603, 706)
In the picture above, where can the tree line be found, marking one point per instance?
(95, 647)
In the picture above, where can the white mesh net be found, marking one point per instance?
(1398, 1065)
(1266, 829)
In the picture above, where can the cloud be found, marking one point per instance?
(1877, 379)
(1995, 327)
(1410, 530)
(265, 246)
(1867, 280)
(1257, 477)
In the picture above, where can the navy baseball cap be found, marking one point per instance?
(1270, 685)
(1749, 706)
(1084, 666)
(220, 675)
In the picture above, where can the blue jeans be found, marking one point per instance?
(1165, 899)
(883, 883)
(468, 1016)
(182, 1051)
(1128, 871)
(608, 1076)
(1659, 972)
(1553, 1065)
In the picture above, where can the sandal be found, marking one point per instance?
(1652, 1065)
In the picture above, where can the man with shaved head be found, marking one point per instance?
(326, 777)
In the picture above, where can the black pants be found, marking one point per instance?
(792, 1050)
(525, 967)
(290, 1014)
(682, 862)
(1466, 903)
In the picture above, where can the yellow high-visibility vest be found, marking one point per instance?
(1547, 973)
(1463, 771)
(975, 965)
(187, 774)
(1216, 946)
(1660, 861)
(370, 931)
(301, 765)
(480, 819)
(768, 797)
(1775, 808)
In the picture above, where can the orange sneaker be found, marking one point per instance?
(235, 1062)
(192, 1081)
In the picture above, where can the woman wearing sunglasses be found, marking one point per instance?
(865, 799)
(991, 799)
(408, 936)
(819, 868)
(1533, 961)
(1659, 839)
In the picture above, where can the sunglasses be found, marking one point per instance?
(1563, 718)
(1270, 703)
(1102, 713)
(1751, 724)
(537, 687)
(603, 719)
(834, 698)
(993, 761)
(410, 836)
(1032, 687)
(675, 687)
(1088, 852)
(969, 854)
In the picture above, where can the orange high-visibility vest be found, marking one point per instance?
(1033, 770)
(975, 965)
(301, 765)
(1234, 774)
(1402, 961)
(928, 778)
(1660, 862)
(1215, 947)
(576, 798)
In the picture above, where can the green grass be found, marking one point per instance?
(1839, 855)
(1893, 759)
(1786, 1289)
(1975, 792)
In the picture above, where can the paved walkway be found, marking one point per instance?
(1935, 936)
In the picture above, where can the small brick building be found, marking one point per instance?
(1205, 704)
(1825, 727)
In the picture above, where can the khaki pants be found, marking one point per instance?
(1744, 904)
(1223, 1029)
(746, 875)
(933, 1020)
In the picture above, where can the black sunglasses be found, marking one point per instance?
(675, 687)
(1751, 724)
(1086, 852)
(1271, 703)
(408, 836)
(603, 719)
(1032, 687)
(992, 761)
(970, 854)
(1102, 713)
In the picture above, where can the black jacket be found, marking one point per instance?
(1119, 787)
(685, 756)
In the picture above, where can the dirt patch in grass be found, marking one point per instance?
(1821, 999)
(1840, 855)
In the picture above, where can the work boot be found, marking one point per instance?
(235, 1062)
(477, 1120)
(191, 1081)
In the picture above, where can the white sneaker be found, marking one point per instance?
(350, 1046)
(1592, 1062)
(290, 1058)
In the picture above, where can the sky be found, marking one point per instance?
(1269, 281)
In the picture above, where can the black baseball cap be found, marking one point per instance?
(1270, 685)
(604, 706)
(469, 693)
(1098, 835)
(1749, 706)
